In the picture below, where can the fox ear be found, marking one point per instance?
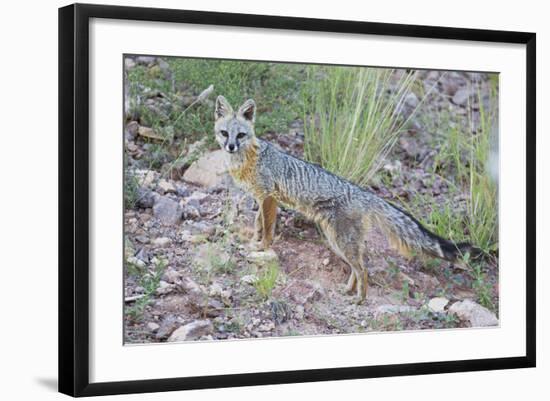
(223, 108)
(248, 110)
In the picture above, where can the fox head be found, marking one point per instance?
(234, 131)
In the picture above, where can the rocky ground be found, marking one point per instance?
(190, 274)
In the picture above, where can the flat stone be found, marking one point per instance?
(209, 170)
(166, 187)
(167, 211)
(461, 96)
(438, 304)
(263, 257)
(192, 331)
(153, 326)
(475, 314)
(162, 242)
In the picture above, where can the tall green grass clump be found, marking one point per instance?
(470, 153)
(353, 117)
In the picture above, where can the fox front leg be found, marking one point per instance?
(258, 226)
(269, 217)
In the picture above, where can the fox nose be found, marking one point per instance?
(231, 147)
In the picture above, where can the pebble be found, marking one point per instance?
(192, 331)
(162, 242)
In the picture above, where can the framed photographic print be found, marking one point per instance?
(249, 199)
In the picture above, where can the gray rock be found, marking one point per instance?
(192, 209)
(475, 314)
(411, 100)
(191, 286)
(142, 239)
(182, 190)
(461, 96)
(132, 130)
(198, 196)
(143, 255)
(168, 211)
(171, 276)
(209, 170)
(145, 60)
(146, 198)
(165, 288)
(167, 326)
(192, 331)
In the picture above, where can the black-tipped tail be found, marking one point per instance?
(458, 251)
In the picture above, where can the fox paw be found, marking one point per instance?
(347, 290)
(357, 300)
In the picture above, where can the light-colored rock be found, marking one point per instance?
(263, 257)
(326, 261)
(162, 242)
(166, 187)
(209, 170)
(146, 178)
(411, 100)
(438, 304)
(171, 276)
(267, 326)
(135, 261)
(153, 326)
(197, 196)
(129, 63)
(215, 289)
(475, 314)
(165, 288)
(167, 211)
(191, 286)
(249, 279)
(192, 331)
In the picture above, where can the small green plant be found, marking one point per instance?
(405, 290)
(150, 282)
(267, 278)
(131, 190)
(482, 286)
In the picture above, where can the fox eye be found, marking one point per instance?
(241, 135)
(224, 133)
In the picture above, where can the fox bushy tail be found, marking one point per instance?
(407, 234)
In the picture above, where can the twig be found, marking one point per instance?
(134, 298)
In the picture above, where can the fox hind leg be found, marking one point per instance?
(346, 239)
(352, 282)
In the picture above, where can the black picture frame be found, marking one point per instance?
(74, 198)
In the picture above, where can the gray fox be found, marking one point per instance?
(343, 210)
